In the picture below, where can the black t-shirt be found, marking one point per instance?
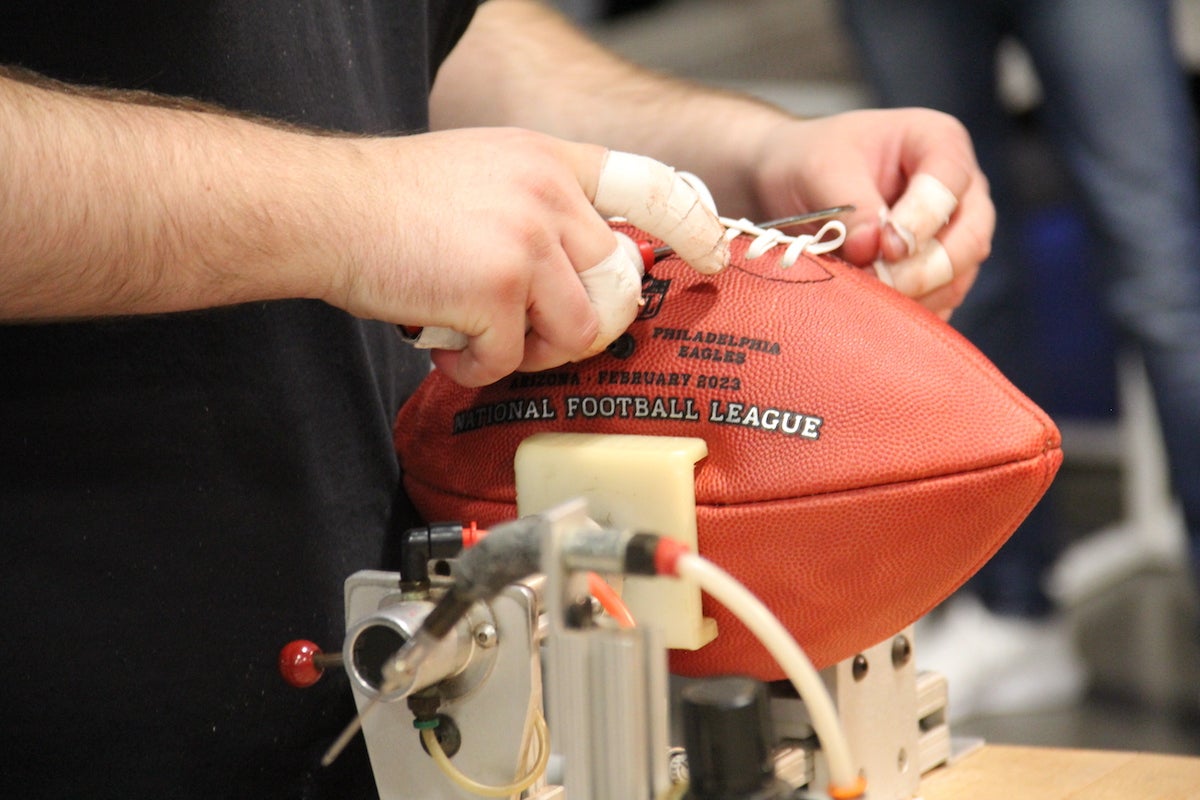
(182, 494)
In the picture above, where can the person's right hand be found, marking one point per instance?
(916, 166)
(483, 231)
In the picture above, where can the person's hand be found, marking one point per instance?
(929, 240)
(485, 232)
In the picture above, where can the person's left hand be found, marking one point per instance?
(929, 239)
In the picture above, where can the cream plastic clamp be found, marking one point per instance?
(645, 483)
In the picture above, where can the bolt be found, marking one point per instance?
(424, 704)
(485, 634)
(901, 651)
(448, 735)
(677, 766)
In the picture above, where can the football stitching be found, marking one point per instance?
(1043, 460)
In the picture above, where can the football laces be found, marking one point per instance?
(828, 238)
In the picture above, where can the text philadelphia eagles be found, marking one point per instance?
(639, 407)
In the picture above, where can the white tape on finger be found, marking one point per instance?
(923, 210)
(653, 197)
(656, 199)
(920, 274)
(614, 287)
(435, 338)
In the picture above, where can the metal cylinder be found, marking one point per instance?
(373, 641)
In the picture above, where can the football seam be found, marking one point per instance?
(818, 263)
(1048, 473)
(999, 465)
(1051, 438)
(940, 476)
(1042, 458)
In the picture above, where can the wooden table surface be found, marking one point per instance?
(1004, 772)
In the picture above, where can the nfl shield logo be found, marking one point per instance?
(653, 292)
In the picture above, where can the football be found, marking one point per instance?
(864, 460)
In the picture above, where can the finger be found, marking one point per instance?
(564, 324)
(614, 292)
(653, 197)
(436, 338)
(941, 163)
(614, 288)
(862, 239)
(567, 329)
(952, 260)
(916, 276)
(571, 316)
(488, 357)
(827, 187)
(945, 299)
(924, 209)
(968, 238)
(967, 243)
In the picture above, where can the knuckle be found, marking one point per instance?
(950, 124)
(483, 369)
(527, 243)
(980, 244)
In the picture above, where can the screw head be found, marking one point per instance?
(485, 634)
(901, 651)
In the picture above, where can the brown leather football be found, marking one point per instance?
(864, 459)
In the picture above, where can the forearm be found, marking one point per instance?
(110, 207)
(523, 64)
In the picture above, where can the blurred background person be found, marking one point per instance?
(1116, 109)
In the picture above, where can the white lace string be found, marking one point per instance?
(829, 238)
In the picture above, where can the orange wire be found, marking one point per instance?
(610, 601)
(858, 789)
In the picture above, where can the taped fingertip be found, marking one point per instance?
(926, 271)
(435, 338)
(925, 207)
(660, 201)
(627, 180)
(716, 261)
(883, 273)
(935, 195)
(610, 173)
(614, 287)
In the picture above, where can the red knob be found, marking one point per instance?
(298, 663)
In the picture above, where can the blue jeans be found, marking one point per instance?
(1118, 113)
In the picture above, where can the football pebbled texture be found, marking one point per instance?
(864, 459)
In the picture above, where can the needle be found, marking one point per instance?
(810, 216)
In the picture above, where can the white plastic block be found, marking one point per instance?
(645, 483)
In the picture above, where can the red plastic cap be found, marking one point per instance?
(296, 663)
(473, 534)
(647, 251)
(851, 792)
(667, 554)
